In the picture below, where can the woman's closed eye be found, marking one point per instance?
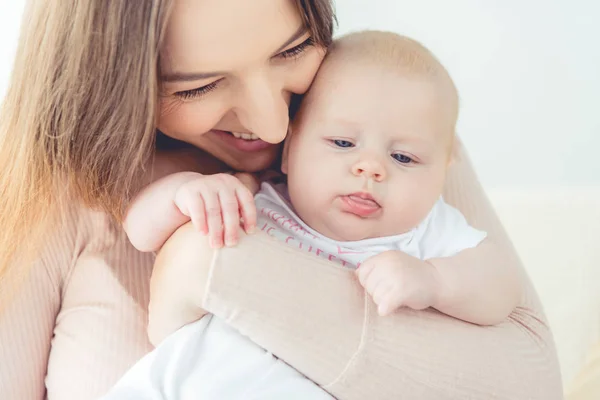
(290, 53)
(198, 92)
(297, 50)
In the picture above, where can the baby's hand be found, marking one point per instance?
(249, 180)
(215, 204)
(394, 279)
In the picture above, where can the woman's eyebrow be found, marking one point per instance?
(189, 76)
(299, 32)
(198, 76)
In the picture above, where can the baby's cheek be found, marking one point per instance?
(415, 197)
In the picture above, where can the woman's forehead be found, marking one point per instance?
(224, 35)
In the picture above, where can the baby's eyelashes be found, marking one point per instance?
(402, 158)
(342, 143)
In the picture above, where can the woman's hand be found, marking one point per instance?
(215, 204)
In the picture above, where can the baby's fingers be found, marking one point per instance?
(389, 303)
(247, 208)
(197, 213)
(214, 218)
(385, 298)
(231, 215)
(364, 272)
(192, 205)
(371, 276)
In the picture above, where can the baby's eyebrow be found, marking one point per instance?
(346, 123)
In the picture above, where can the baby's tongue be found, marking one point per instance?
(362, 201)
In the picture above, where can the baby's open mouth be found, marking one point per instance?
(360, 204)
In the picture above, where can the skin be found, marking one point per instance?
(215, 78)
(387, 136)
(365, 129)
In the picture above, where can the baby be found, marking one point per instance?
(366, 160)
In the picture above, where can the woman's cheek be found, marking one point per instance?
(303, 72)
(187, 120)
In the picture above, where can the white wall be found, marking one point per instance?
(528, 72)
(10, 20)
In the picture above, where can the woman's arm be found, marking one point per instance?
(75, 321)
(27, 317)
(315, 316)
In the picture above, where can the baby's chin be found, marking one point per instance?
(352, 229)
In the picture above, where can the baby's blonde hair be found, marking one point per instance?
(389, 52)
(397, 53)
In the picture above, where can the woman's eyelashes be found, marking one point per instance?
(297, 50)
(288, 54)
(198, 92)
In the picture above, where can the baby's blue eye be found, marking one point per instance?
(401, 158)
(343, 143)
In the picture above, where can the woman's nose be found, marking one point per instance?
(263, 109)
(369, 167)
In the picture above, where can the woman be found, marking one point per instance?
(92, 83)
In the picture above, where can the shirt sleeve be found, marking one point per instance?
(446, 232)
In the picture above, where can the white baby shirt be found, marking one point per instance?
(443, 233)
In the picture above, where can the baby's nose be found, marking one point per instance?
(369, 168)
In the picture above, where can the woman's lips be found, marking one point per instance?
(360, 204)
(242, 144)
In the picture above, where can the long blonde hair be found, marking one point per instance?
(77, 125)
(78, 119)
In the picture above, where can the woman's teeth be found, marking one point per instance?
(245, 136)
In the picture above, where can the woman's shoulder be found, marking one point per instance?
(88, 226)
(78, 230)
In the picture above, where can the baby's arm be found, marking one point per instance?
(468, 291)
(455, 285)
(153, 216)
(214, 203)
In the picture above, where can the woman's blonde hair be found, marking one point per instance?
(77, 125)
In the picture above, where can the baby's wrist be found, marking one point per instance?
(435, 285)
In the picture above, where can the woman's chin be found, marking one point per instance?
(252, 162)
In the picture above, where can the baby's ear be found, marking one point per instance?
(285, 151)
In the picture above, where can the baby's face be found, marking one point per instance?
(368, 153)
